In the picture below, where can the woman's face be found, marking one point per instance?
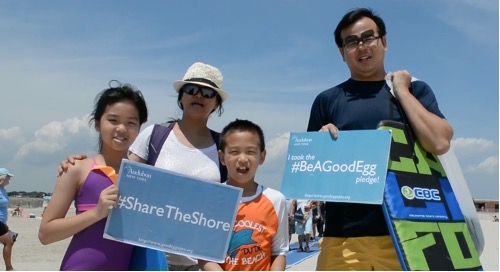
(195, 104)
(5, 182)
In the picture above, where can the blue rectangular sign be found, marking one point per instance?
(351, 168)
(166, 211)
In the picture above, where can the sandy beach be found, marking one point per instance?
(30, 255)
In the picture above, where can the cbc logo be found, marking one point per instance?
(420, 193)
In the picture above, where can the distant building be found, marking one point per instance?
(486, 205)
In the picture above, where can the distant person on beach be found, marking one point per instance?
(18, 211)
(7, 237)
(303, 225)
(8, 243)
(292, 207)
(260, 234)
(118, 115)
(5, 177)
(315, 218)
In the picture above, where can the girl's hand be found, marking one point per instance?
(107, 200)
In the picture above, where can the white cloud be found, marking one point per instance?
(277, 147)
(489, 165)
(473, 145)
(471, 19)
(11, 134)
(54, 137)
(10, 140)
(484, 5)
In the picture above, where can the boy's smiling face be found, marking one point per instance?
(242, 156)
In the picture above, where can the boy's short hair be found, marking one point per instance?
(242, 125)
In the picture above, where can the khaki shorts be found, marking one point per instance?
(358, 253)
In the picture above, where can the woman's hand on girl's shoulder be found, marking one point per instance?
(70, 160)
(76, 171)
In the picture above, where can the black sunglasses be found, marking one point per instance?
(367, 38)
(193, 89)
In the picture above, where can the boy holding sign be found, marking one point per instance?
(260, 234)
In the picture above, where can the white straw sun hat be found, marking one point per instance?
(203, 74)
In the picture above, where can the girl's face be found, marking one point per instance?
(242, 156)
(119, 126)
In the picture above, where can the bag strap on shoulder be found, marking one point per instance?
(158, 136)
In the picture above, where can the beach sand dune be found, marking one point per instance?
(30, 255)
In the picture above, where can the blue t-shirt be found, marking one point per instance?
(4, 205)
(358, 105)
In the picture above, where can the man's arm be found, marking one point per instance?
(433, 132)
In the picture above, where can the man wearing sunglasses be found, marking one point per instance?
(356, 236)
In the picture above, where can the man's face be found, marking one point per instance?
(363, 50)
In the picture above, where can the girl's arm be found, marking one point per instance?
(54, 226)
(209, 266)
(278, 263)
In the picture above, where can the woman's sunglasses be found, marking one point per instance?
(193, 89)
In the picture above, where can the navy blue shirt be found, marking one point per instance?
(358, 105)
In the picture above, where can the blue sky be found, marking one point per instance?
(276, 56)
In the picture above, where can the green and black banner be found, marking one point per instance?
(424, 218)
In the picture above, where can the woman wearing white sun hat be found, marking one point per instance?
(189, 141)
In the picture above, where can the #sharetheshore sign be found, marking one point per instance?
(166, 211)
(351, 168)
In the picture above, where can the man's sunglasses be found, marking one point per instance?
(193, 89)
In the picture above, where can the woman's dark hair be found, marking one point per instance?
(355, 15)
(219, 109)
(112, 95)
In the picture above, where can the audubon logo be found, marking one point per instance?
(301, 139)
(138, 174)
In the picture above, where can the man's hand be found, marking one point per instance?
(401, 81)
(332, 128)
(63, 167)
